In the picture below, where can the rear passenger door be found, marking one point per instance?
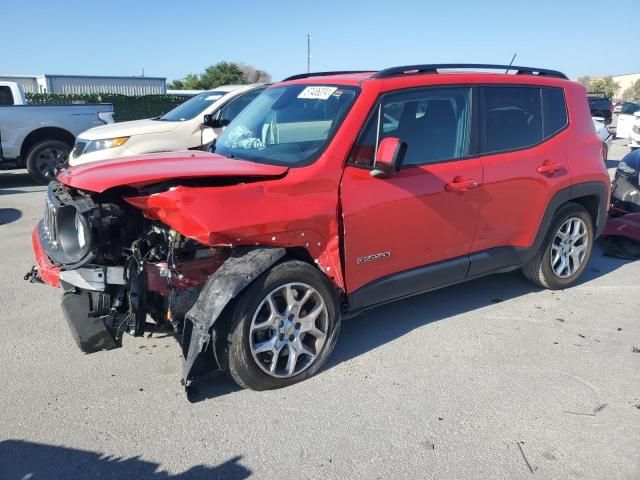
(522, 147)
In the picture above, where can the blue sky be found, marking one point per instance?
(171, 39)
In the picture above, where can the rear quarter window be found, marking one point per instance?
(520, 117)
(554, 111)
(512, 118)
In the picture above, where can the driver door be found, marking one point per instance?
(413, 230)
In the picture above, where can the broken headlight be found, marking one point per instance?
(74, 233)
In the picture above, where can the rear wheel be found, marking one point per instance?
(46, 158)
(565, 251)
(282, 328)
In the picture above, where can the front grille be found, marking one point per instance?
(78, 149)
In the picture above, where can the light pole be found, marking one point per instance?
(308, 52)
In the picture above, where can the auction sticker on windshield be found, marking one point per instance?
(317, 93)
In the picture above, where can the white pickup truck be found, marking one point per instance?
(40, 137)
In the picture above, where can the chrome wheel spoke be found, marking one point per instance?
(303, 349)
(272, 306)
(290, 297)
(292, 359)
(274, 359)
(266, 346)
(305, 297)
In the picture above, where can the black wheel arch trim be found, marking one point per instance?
(243, 266)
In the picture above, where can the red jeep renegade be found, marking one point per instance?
(329, 194)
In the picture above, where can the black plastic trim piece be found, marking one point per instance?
(433, 69)
(243, 266)
(408, 283)
(89, 332)
(324, 74)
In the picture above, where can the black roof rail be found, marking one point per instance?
(433, 68)
(324, 74)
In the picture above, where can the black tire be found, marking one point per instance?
(235, 348)
(46, 158)
(539, 270)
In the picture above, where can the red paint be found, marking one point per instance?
(183, 275)
(49, 273)
(411, 215)
(623, 225)
(147, 169)
(421, 215)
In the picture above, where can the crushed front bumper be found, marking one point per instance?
(89, 331)
(46, 270)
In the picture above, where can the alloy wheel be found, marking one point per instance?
(288, 330)
(569, 247)
(50, 161)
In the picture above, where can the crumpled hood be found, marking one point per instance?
(158, 167)
(128, 129)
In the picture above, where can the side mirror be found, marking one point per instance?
(389, 157)
(210, 121)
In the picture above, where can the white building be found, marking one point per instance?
(625, 81)
(80, 84)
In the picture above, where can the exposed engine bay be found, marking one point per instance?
(118, 268)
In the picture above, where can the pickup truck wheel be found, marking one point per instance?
(45, 159)
(283, 327)
(566, 249)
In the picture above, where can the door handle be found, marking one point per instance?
(460, 185)
(549, 168)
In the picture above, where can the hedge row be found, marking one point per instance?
(124, 107)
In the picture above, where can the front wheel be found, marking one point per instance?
(565, 251)
(282, 328)
(46, 158)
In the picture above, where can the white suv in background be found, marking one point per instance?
(634, 133)
(182, 128)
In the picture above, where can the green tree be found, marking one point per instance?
(222, 73)
(604, 85)
(632, 93)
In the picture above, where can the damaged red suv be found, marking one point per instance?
(329, 194)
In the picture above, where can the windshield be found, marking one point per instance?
(286, 125)
(192, 107)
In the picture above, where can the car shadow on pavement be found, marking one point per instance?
(20, 459)
(210, 385)
(16, 180)
(9, 215)
(384, 324)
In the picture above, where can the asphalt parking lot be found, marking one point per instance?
(489, 379)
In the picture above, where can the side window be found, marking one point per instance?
(433, 122)
(6, 97)
(233, 108)
(513, 118)
(554, 111)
